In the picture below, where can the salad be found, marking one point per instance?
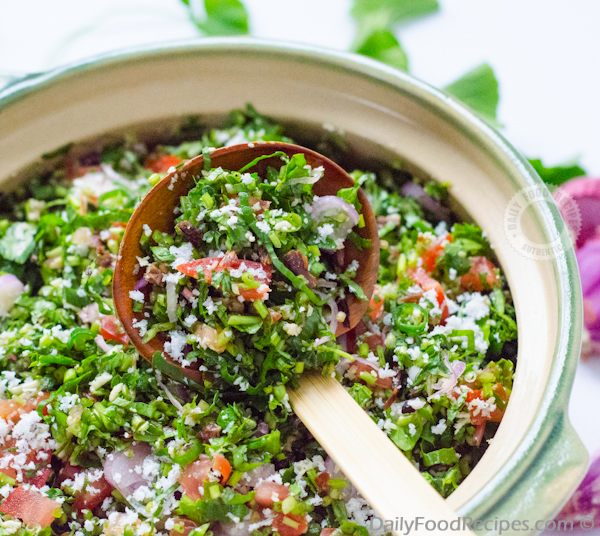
(250, 286)
(94, 440)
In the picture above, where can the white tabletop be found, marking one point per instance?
(544, 52)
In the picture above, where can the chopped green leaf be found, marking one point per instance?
(441, 456)
(223, 17)
(383, 46)
(376, 20)
(18, 242)
(397, 10)
(478, 89)
(557, 175)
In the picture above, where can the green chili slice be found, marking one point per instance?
(411, 318)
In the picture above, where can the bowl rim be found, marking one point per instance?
(554, 403)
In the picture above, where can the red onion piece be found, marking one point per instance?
(253, 477)
(10, 291)
(99, 340)
(410, 189)
(349, 491)
(333, 323)
(343, 342)
(262, 429)
(585, 502)
(331, 206)
(230, 528)
(588, 258)
(171, 301)
(586, 192)
(446, 385)
(90, 313)
(142, 284)
(119, 469)
(321, 340)
(334, 309)
(187, 294)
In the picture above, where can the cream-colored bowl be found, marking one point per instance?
(536, 460)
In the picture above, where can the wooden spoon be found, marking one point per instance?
(157, 211)
(382, 474)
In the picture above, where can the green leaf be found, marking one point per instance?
(441, 456)
(383, 46)
(18, 242)
(361, 394)
(160, 363)
(376, 20)
(478, 89)
(403, 438)
(223, 17)
(557, 175)
(397, 10)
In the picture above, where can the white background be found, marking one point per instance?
(544, 52)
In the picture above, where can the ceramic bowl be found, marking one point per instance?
(535, 460)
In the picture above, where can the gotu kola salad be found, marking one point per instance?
(94, 440)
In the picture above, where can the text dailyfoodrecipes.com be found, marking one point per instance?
(406, 526)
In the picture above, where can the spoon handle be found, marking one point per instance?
(377, 468)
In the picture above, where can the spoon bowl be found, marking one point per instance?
(158, 210)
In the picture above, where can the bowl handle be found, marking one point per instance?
(559, 461)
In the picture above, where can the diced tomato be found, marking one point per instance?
(327, 532)
(253, 294)
(375, 305)
(275, 315)
(40, 458)
(94, 492)
(42, 472)
(221, 464)
(161, 164)
(112, 331)
(472, 280)
(262, 204)
(265, 491)
(183, 526)
(360, 366)
(73, 170)
(12, 410)
(421, 278)
(374, 341)
(93, 495)
(352, 338)
(30, 506)
(196, 473)
(496, 415)
(194, 476)
(353, 335)
(290, 524)
(68, 472)
(434, 251)
(322, 481)
(218, 264)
